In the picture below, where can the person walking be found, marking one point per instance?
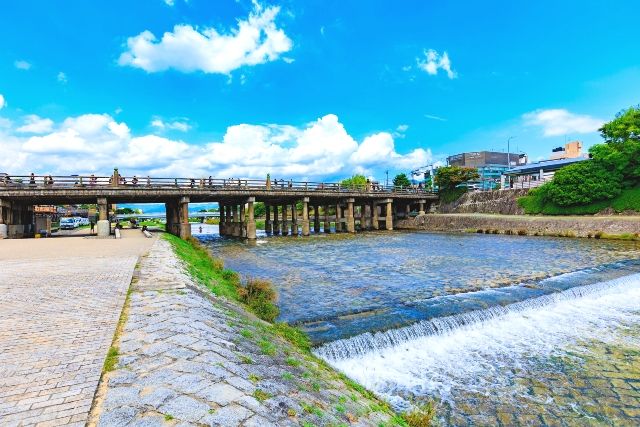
(93, 226)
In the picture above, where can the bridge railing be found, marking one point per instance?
(210, 183)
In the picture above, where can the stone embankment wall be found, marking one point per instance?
(520, 224)
(489, 202)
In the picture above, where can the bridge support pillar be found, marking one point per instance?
(338, 218)
(316, 219)
(285, 223)
(236, 221)
(221, 221)
(389, 216)
(294, 219)
(407, 210)
(327, 224)
(4, 229)
(375, 221)
(350, 219)
(305, 216)
(183, 212)
(251, 221)
(276, 221)
(268, 225)
(421, 204)
(103, 225)
(243, 221)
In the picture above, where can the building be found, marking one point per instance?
(535, 174)
(490, 165)
(571, 150)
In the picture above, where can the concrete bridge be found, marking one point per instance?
(370, 206)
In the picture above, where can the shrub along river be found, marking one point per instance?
(495, 329)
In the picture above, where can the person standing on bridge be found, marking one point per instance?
(32, 179)
(134, 181)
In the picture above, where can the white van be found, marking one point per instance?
(68, 224)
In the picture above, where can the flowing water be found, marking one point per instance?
(496, 330)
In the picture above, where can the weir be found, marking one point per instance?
(329, 202)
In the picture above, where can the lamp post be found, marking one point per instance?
(509, 150)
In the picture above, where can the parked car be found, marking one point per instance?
(68, 223)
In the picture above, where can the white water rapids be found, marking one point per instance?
(480, 351)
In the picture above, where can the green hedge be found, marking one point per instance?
(535, 203)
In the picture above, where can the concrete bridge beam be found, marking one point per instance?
(316, 219)
(327, 224)
(285, 223)
(103, 226)
(305, 216)
(349, 217)
(251, 221)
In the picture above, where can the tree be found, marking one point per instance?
(125, 211)
(625, 127)
(583, 183)
(356, 181)
(449, 177)
(401, 180)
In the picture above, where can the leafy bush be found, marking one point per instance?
(420, 416)
(582, 183)
(260, 297)
(355, 182)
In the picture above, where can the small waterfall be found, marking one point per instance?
(368, 343)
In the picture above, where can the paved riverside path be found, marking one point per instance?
(60, 300)
(187, 359)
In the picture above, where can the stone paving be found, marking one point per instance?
(187, 358)
(57, 320)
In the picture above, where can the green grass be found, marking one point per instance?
(261, 395)
(629, 199)
(111, 360)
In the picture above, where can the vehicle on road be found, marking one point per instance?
(69, 223)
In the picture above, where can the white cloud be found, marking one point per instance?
(432, 117)
(62, 77)
(402, 128)
(256, 40)
(95, 143)
(35, 124)
(434, 62)
(556, 122)
(181, 126)
(169, 2)
(2, 102)
(22, 65)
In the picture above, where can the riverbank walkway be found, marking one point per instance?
(60, 300)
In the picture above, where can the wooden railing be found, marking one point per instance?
(133, 182)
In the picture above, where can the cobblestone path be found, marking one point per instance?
(187, 359)
(57, 320)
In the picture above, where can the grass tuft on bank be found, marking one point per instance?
(535, 203)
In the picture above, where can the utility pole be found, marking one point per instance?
(509, 150)
(387, 172)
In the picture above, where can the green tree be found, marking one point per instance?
(625, 127)
(583, 183)
(356, 181)
(125, 211)
(401, 180)
(449, 177)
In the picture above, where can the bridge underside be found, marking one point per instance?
(295, 212)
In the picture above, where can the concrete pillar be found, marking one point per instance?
(294, 219)
(407, 210)
(221, 217)
(268, 225)
(228, 226)
(243, 221)
(103, 226)
(375, 221)
(185, 227)
(305, 216)
(363, 217)
(285, 225)
(327, 224)
(276, 221)
(338, 218)
(4, 230)
(251, 221)
(316, 219)
(350, 219)
(422, 203)
(237, 232)
(389, 216)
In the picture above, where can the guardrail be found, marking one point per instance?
(92, 181)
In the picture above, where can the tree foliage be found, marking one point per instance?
(356, 181)
(449, 177)
(401, 180)
(583, 183)
(625, 127)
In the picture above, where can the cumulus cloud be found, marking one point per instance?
(35, 124)
(256, 40)
(62, 78)
(2, 102)
(434, 61)
(556, 122)
(178, 125)
(95, 143)
(22, 65)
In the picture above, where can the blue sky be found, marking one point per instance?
(308, 90)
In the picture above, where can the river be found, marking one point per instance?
(494, 329)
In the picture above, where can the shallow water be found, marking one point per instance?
(496, 330)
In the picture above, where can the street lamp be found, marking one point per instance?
(509, 150)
